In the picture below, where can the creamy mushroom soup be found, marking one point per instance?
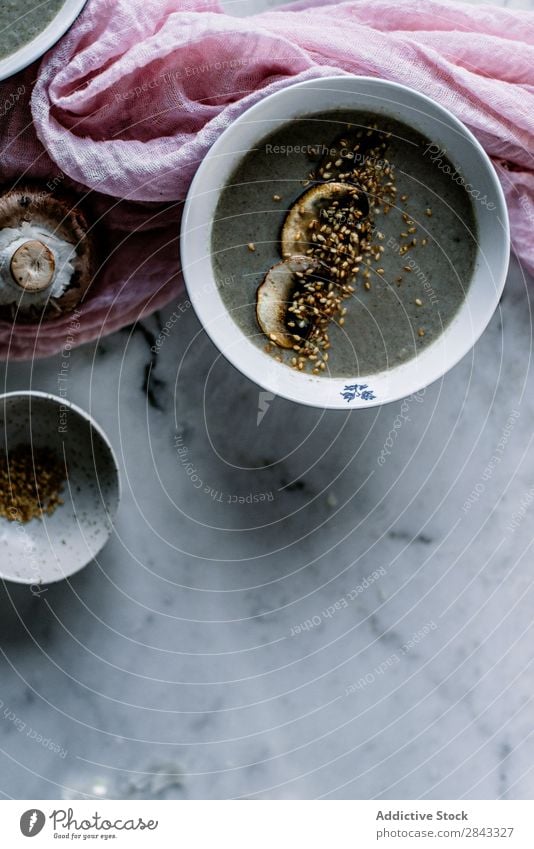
(383, 219)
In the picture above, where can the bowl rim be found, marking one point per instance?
(44, 41)
(88, 418)
(280, 387)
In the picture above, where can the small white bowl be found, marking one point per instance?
(441, 128)
(46, 39)
(46, 550)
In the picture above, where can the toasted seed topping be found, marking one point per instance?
(333, 225)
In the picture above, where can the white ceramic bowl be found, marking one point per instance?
(441, 128)
(46, 550)
(46, 39)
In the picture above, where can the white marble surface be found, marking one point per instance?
(173, 652)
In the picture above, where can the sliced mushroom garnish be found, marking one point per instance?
(323, 204)
(275, 296)
(46, 254)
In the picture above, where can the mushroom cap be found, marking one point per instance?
(275, 295)
(61, 216)
(309, 207)
(32, 266)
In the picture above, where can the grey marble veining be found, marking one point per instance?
(177, 664)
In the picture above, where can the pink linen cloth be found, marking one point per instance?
(125, 107)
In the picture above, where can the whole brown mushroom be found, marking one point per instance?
(46, 254)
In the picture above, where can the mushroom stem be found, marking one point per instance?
(33, 266)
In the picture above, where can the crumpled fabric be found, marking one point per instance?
(126, 106)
